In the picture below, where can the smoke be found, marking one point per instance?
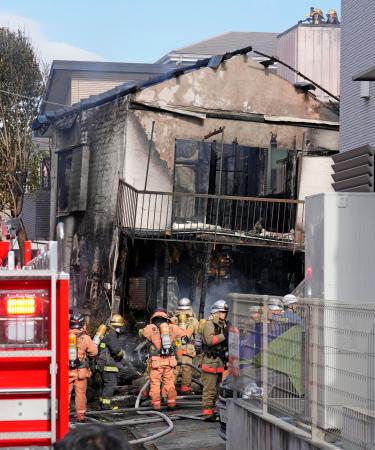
(217, 290)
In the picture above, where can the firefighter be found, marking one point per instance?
(215, 351)
(161, 333)
(332, 18)
(111, 359)
(290, 303)
(317, 17)
(81, 347)
(185, 350)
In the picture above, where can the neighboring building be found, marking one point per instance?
(313, 50)
(219, 45)
(354, 166)
(177, 225)
(71, 81)
(357, 75)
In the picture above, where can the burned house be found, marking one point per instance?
(188, 184)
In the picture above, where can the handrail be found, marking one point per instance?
(150, 214)
(214, 196)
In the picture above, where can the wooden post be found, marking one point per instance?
(206, 267)
(166, 274)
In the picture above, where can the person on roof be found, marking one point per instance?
(332, 18)
(317, 17)
(162, 333)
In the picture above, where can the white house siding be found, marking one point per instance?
(357, 54)
(84, 87)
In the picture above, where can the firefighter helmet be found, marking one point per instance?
(76, 321)
(317, 11)
(117, 321)
(333, 13)
(160, 316)
(219, 306)
(274, 304)
(184, 304)
(289, 299)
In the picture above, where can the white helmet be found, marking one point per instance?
(289, 299)
(274, 304)
(219, 306)
(184, 304)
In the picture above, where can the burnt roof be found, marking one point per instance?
(131, 87)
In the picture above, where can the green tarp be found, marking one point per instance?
(284, 355)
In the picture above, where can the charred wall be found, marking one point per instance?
(118, 141)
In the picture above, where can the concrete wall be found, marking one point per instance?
(247, 429)
(357, 55)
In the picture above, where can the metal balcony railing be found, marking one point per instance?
(180, 216)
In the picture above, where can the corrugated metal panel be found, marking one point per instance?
(29, 215)
(357, 114)
(319, 56)
(36, 215)
(315, 52)
(287, 52)
(137, 294)
(353, 170)
(43, 199)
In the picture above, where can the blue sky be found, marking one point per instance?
(143, 30)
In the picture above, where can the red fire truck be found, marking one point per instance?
(34, 352)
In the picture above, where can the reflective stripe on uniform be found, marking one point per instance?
(120, 353)
(209, 369)
(110, 369)
(105, 401)
(102, 345)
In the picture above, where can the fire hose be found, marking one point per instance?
(157, 413)
(146, 411)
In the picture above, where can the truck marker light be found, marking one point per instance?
(21, 306)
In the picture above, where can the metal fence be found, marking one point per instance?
(212, 218)
(313, 366)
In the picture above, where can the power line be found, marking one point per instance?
(37, 98)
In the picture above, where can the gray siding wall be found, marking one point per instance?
(357, 54)
(35, 215)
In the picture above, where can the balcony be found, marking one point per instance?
(206, 218)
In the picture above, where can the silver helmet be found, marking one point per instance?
(219, 306)
(184, 304)
(289, 299)
(274, 304)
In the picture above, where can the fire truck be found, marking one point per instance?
(34, 306)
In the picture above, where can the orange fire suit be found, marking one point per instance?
(78, 377)
(185, 350)
(162, 367)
